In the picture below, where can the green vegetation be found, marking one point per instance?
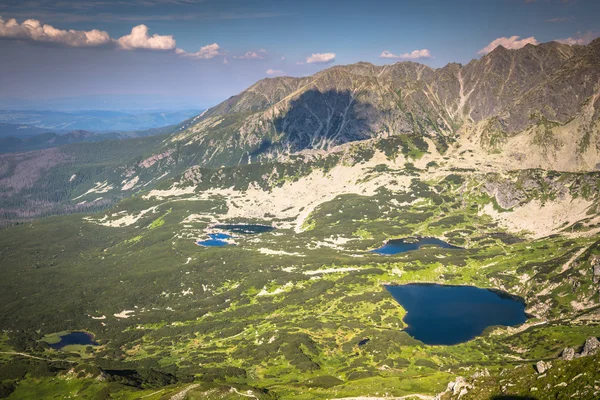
(237, 319)
(286, 313)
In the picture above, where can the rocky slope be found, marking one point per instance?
(533, 91)
(339, 163)
(535, 107)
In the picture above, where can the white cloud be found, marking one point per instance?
(33, 30)
(205, 53)
(253, 55)
(139, 39)
(225, 61)
(579, 38)
(413, 55)
(320, 58)
(513, 42)
(274, 72)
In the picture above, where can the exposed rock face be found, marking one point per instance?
(459, 387)
(150, 161)
(507, 91)
(591, 347)
(506, 193)
(481, 374)
(511, 190)
(542, 366)
(568, 353)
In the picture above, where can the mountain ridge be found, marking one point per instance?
(332, 166)
(501, 110)
(505, 88)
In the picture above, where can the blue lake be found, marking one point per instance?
(82, 338)
(216, 240)
(396, 246)
(446, 315)
(212, 243)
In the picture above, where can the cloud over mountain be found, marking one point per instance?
(271, 71)
(580, 38)
(320, 58)
(513, 42)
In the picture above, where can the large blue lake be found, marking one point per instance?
(446, 315)
(396, 246)
(82, 338)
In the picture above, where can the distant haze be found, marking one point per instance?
(124, 103)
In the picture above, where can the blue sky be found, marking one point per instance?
(208, 50)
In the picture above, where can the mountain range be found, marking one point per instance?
(535, 107)
(531, 91)
(299, 181)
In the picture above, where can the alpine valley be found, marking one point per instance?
(106, 293)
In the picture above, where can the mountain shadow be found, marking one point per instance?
(321, 120)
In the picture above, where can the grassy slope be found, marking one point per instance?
(197, 311)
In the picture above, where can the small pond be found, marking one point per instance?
(446, 315)
(81, 338)
(396, 246)
(220, 239)
(215, 240)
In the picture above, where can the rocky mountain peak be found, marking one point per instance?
(507, 90)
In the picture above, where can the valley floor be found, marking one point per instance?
(280, 314)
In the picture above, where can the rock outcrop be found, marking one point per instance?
(591, 347)
(505, 92)
(568, 353)
(480, 374)
(458, 388)
(542, 366)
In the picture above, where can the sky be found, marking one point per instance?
(200, 52)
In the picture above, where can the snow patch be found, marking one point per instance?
(330, 271)
(127, 185)
(124, 314)
(279, 252)
(100, 187)
(123, 221)
(174, 191)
